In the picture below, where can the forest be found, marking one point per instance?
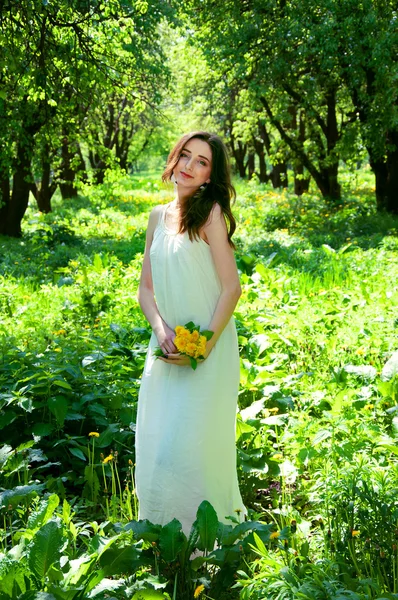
(93, 95)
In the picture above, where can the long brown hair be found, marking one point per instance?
(197, 209)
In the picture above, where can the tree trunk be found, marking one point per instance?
(239, 153)
(301, 183)
(325, 177)
(4, 199)
(262, 174)
(67, 186)
(14, 209)
(332, 137)
(278, 176)
(45, 191)
(82, 165)
(386, 174)
(251, 164)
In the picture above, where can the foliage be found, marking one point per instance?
(316, 429)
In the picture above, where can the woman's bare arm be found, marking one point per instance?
(146, 297)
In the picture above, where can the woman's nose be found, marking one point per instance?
(189, 163)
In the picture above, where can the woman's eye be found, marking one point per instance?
(202, 162)
(183, 155)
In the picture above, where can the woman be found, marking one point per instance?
(185, 441)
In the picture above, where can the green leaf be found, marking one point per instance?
(171, 540)
(78, 453)
(42, 429)
(62, 383)
(194, 362)
(260, 547)
(119, 561)
(207, 333)
(58, 405)
(144, 530)
(207, 524)
(190, 326)
(107, 437)
(320, 436)
(106, 586)
(7, 418)
(45, 548)
(15, 495)
(44, 512)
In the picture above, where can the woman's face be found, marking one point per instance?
(194, 165)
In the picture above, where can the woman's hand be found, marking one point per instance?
(180, 360)
(165, 336)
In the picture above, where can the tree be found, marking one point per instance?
(367, 34)
(278, 48)
(57, 60)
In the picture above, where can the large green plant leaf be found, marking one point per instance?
(120, 561)
(79, 569)
(12, 580)
(44, 512)
(207, 524)
(58, 405)
(15, 495)
(171, 540)
(144, 530)
(45, 548)
(106, 586)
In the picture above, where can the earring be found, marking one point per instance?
(203, 186)
(173, 179)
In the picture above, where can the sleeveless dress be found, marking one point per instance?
(185, 434)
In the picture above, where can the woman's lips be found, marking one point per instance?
(186, 175)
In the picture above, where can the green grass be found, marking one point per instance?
(316, 433)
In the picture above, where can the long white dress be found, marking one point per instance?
(185, 436)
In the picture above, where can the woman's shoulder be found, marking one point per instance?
(154, 219)
(157, 211)
(216, 216)
(156, 214)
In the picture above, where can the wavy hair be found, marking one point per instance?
(220, 190)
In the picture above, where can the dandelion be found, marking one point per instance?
(274, 535)
(360, 351)
(355, 533)
(198, 590)
(368, 406)
(93, 434)
(107, 459)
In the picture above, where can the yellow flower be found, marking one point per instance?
(274, 535)
(190, 349)
(182, 332)
(93, 434)
(355, 533)
(360, 351)
(180, 343)
(107, 459)
(198, 590)
(194, 336)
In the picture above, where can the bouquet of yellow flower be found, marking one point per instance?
(190, 341)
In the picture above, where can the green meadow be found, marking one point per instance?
(317, 425)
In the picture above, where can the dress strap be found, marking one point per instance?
(162, 217)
